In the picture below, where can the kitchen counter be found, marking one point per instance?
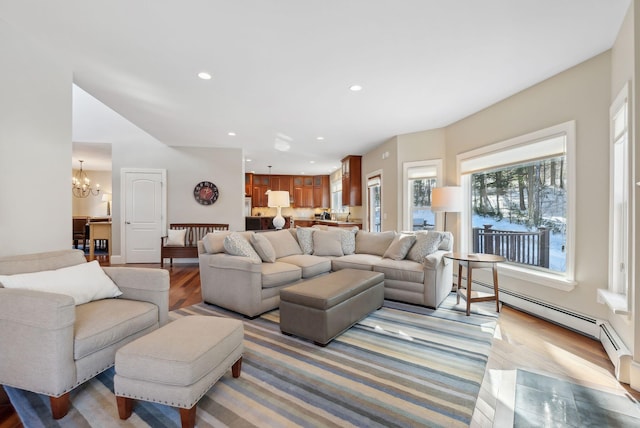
(308, 222)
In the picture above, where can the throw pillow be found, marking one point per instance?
(305, 239)
(426, 243)
(327, 243)
(284, 243)
(176, 237)
(375, 243)
(348, 238)
(263, 247)
(84, 282)
(214, 242)
(236, 245)
(400, 247)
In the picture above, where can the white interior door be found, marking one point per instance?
(144, 213)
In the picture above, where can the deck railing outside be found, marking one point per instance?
(530, 248)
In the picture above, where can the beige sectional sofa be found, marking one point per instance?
(245, 271)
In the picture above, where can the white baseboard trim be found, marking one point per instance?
(567, 318)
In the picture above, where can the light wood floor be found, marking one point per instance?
(521, 341)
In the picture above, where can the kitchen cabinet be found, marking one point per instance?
(352, 181)
(281, 182)
(305, 191)
(303, 197)
(261, 183)
(302, 191)
(321, 192)
(248, 184)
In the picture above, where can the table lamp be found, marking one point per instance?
(278, 199)
(446, 199)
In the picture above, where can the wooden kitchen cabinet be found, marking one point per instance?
(321, 192)
(302, 191)
(305, 191)
(352, 181)
(260, 186)
(303, 197)
(248, 184)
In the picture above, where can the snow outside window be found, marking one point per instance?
(420, 178)
(520, 198)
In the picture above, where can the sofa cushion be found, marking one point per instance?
(373, 242)
(237, 245)
(310, 265)
(355, 261)
(84, 282)
(426, 243)
(263, 247)
(214, 242)
(327, 243)
(400, 270)
(283, 242)
(279, 273)
(305, 239)
(447, 240)
(102, 323)
(348, 238)
(399, 247)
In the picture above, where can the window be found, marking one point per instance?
(619, 215)
(336, 197)
(520, 203)
(374, 203)
(419, 180)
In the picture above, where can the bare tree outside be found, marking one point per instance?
(510, 201)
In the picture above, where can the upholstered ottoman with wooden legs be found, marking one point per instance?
(178, 363)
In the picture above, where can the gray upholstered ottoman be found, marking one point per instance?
(323, 307)
(178, 363)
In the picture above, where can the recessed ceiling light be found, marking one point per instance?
(319, 138)
(231, 134)
(247, 160)
(204, 75)
(355, 88)
(312, 161)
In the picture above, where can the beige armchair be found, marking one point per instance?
(50, 345)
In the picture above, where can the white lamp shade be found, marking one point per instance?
(278, 198)
(447, 199)
(106, 197)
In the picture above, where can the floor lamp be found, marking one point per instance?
(446, 199)
(278, 199)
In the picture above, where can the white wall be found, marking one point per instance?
(374, 162)
(35, 147)
(581, 93)
(185, 167)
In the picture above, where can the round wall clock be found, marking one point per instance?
(205, 192)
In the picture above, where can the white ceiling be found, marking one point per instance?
(282, 68)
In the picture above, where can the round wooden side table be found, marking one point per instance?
(476, 261)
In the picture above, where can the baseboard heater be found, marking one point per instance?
(597, 329)
(618, 353)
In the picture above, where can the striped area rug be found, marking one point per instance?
(401, 366)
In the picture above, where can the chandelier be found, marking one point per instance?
(81, 185)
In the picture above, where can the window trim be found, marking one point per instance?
(618, 302)
(559, 281)
(406, 212)
(366, 225)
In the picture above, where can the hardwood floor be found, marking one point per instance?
(521, 341)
